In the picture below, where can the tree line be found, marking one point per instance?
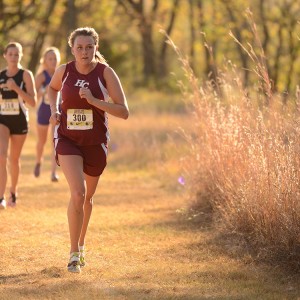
(131, 38)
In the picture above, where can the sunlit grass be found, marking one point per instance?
(138, 246)
(244, 162)
(152, 101)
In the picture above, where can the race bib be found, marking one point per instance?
(79, 119)
(10, 107)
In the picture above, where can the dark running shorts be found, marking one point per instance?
(94, 156)
(16, 124)
(43, 114)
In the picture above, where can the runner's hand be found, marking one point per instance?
(85, 93)
(11, 84)
(55, 118)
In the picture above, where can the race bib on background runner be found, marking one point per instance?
(10, 107)
(79, 119)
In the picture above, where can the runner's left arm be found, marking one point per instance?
(30, 95)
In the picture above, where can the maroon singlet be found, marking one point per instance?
(71, 101)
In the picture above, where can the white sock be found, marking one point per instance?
(81, 248)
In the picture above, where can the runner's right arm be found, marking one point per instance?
(53, 89)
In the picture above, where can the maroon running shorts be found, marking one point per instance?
(94, 156)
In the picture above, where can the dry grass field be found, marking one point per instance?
(139, 245)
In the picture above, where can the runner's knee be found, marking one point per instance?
(78, 197)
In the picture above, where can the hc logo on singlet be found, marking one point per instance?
(81, 83)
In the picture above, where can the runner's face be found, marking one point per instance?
(51, 61)
(13, 56)
(84, 49)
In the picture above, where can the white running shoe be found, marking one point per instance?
(2, 203)
(74, 262)
(54, 177)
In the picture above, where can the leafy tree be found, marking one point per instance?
(145, 14)
(42, 32)
(13, 13)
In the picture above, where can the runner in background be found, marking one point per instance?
(48, 63)
(17, 89)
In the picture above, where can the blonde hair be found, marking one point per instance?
(42, 60)
(50, 49)
(87, 31)
(14, 45)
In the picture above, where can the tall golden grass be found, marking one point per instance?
(138, 246)
(244, 162)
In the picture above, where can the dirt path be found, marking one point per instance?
(139, 247)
